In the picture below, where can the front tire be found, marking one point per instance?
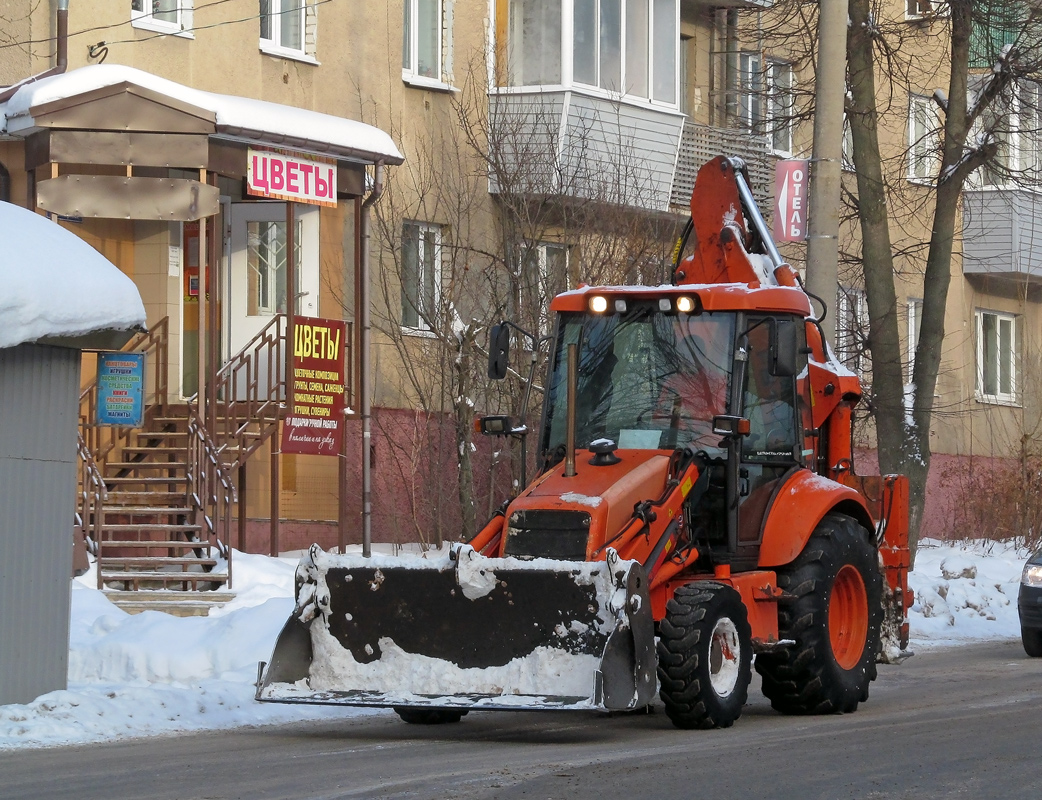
(834, 615)
(705, 656)
(1032, 639)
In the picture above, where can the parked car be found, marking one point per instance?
(1030, 605)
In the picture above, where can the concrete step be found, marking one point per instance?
(176, 603)
(155, 544)
(164, 527)
(134, 579)
(110, 564)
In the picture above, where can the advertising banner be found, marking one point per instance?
(121, 381)
(284, 175)
(790, 204)
(315, 416)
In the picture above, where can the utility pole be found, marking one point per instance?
(826, 164)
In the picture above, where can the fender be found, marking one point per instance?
(796, 509)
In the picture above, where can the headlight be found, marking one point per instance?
(1032, 575)
(598, 304)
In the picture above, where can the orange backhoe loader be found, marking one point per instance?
(696, 488)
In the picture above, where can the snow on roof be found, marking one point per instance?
(235, 115)
(55, 284)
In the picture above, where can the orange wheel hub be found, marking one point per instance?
(848, 617)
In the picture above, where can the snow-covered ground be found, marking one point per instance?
(152, 674)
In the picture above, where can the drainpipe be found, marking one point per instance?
(365, 390)
(61, 56)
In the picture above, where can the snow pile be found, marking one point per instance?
(152, 674)
(397, 674)
(55, 284)
(964, 592)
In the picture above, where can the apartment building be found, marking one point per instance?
(525, 146)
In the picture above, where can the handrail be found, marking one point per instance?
(249, 390)
(210, 490)
(90, 499)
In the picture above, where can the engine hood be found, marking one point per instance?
(606, 494)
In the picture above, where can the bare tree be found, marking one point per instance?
(512, 215)
(962, 77)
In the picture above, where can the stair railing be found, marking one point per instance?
(211, 491)
(249, 393)
(90, 499)
(95, 443)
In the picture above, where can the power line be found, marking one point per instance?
(194, 10)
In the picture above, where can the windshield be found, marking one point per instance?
(646, 379)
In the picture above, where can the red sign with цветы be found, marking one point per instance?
(315, 416)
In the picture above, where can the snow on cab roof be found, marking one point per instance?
(55, 284)
(236, 116)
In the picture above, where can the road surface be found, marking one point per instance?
(962, 722)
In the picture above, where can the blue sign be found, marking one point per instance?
(121, 381)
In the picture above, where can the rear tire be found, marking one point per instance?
(429, 716)
(704, 656)
(1032, 639)
(834, 616)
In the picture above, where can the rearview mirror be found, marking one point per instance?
(498, 351)
(784, 348)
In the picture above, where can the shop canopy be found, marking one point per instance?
(57, 289)
(235, 118)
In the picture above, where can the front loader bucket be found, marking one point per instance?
(461, 630)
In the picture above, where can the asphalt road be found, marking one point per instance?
(963, 722)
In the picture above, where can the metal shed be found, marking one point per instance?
(60, 297)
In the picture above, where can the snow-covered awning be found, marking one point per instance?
(56, 286)
(236, 118)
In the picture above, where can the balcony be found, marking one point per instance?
(1002, 234)
(701, 143)
(583, 146)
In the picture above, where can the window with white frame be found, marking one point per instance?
(266, 266)
(162, 16)
(915, 316)
(627, 47)
(1015, 127)
(923, 138)
(750, 88)
(852, 328)
(543, 274)
(422, 41)
(847, 147)
(996, 357)
(779, 102)
(531, 43)
(917, 9)
(421, 274)
(284, 27)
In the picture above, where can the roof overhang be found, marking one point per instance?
(111, 97)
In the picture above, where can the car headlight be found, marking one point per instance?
(1032, 575)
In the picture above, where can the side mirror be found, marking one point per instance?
(726, 425)
(785, 347)
(494, 426)
(498, 351)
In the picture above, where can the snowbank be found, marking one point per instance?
(153, 674)
(55, 284)
(964, 592)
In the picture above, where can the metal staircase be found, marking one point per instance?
(156, 504)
